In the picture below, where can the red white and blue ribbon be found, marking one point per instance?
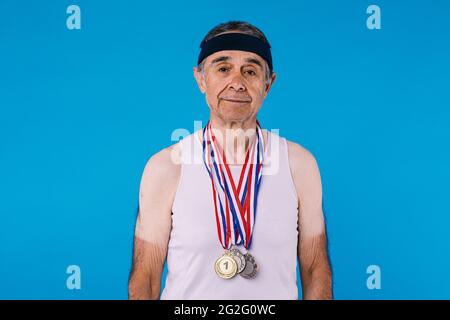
(235, 203)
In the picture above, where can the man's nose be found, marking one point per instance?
(237, 83)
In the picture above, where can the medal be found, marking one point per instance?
(239, 258)
(226, 267)
(251, 267)
(234, 205)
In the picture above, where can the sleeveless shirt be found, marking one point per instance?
(194, 245)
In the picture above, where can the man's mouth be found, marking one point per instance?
(245, 100)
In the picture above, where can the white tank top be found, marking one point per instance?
(194, 245)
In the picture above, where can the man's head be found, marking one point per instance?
(235, 82)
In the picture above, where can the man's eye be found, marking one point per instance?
(223, 69)
(251, 72)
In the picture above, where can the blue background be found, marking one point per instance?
(81, 111)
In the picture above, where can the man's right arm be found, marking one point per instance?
(157, 190)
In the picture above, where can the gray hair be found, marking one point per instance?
(239, 26)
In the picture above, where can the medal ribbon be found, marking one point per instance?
(234, 206)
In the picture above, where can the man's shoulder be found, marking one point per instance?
(164, 164)
(305, 171)
(299, 154)
(167, 156)
(301, 160)
(168, 160)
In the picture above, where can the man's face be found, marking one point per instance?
(234, 84)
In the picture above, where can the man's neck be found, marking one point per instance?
(235, 137)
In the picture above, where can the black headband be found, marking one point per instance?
(236, 41)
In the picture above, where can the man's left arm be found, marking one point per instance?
(315, 271)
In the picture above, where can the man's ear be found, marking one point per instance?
(272, 80)
(200, 81)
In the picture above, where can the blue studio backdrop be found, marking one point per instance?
(82, 110)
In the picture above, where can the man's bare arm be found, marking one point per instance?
(153, 225)
(315, 268)
(145, 277)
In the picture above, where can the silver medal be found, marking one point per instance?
(251, 268)
(239, 258)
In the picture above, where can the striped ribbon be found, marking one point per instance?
(234, 204)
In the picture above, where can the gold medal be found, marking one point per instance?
(226, 267)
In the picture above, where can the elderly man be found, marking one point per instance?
(234, 224)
